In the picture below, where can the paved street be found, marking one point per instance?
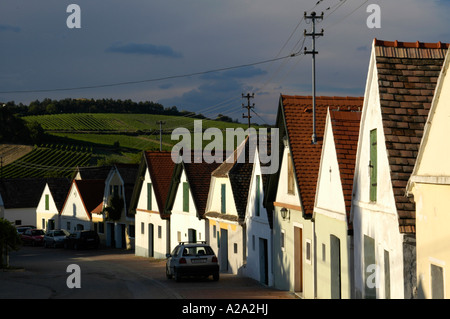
(113, 274)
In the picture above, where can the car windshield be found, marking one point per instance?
(37, 232)
(197, 251)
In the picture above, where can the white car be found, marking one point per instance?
(192, 259)
(56, 237)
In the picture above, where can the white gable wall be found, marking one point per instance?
(377, 220)
(74, 212)
(181, 222)
(258, 229)
(151, 231)
(43, 215)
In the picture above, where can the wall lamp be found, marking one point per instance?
(285, 213)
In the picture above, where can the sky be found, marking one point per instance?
(171, 51)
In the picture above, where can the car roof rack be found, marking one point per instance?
(192, 242)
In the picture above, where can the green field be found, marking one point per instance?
(49, 161)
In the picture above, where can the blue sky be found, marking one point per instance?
(137, 40)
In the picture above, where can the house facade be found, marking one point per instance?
(186, 202)
(120, 230)
(148, 204)
(399, 89)
(293, 190)
(51, 203)
(429, 185)
(82, 208)
(333, 232)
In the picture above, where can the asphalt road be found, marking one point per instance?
(40, 273)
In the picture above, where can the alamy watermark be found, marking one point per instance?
(374, 19)
(214, 151)
(74, 279)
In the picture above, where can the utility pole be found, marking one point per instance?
(248, 106)
(313, 17)
(160, 133)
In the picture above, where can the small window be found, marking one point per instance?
(43, 223)
(324, 252)
(214, 231)
(308, 251)
(160, 232)
(373, 165)
(142, 228)
(149, 196)
(223, 199)
(258, 196)
(185, 197)
(290, 175)
(283, 239)
(235, 248)
(47, 202)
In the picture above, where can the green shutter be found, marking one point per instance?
(149, 196)
(373, 165)
(223, 199)
(47, 203)
(185, 197)
(258, 195)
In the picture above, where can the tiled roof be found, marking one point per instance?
(59, 188)
(345, 127)
(297, 113)
(91, 193)
(199, 178)
(407, 76)
(21, 192)
(160, 166)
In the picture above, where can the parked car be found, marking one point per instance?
(34, 237)
(82, 239)
(192, 259)
(22, 228)
(56, 237)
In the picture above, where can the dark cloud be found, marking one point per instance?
(144, 49)
(9, 28)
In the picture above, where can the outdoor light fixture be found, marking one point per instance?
(285, 213)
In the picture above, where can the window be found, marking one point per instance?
(437, 282)
(223, 199)
(282, 239)
(258, 196)
(253, 242)
(373, 165)
(142, 228)
(160, 231)
(324, 252)
(149, 196)
(214, 231)
(185, 197)
(308, 251)
(47, 202)
(43, 223)
(235, 248)
(290, 175)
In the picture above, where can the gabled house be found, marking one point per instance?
(225, 211)
(333, 230)
(258, 221)
(186, 201)
(400, 85)
(51, 203)
(291, 192)
(148, 204)
(19, 198)
(429, 185)
(83, 207)
(120, 226)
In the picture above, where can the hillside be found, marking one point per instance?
(11, 152)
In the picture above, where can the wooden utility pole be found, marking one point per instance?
(248, 106)
(313, 17)
(160, 133)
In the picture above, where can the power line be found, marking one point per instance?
(150, 80)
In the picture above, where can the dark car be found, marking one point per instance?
(34, 237)
(192, 259)
(55, 238)
(82, 239)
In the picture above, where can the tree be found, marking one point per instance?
(9, 240)
(114, 208)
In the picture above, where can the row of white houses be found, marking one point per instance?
(334, 221)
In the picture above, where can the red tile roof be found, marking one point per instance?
(407, 76)
(91, 193)
(160, 167)
(345, 126)
(297, 114)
